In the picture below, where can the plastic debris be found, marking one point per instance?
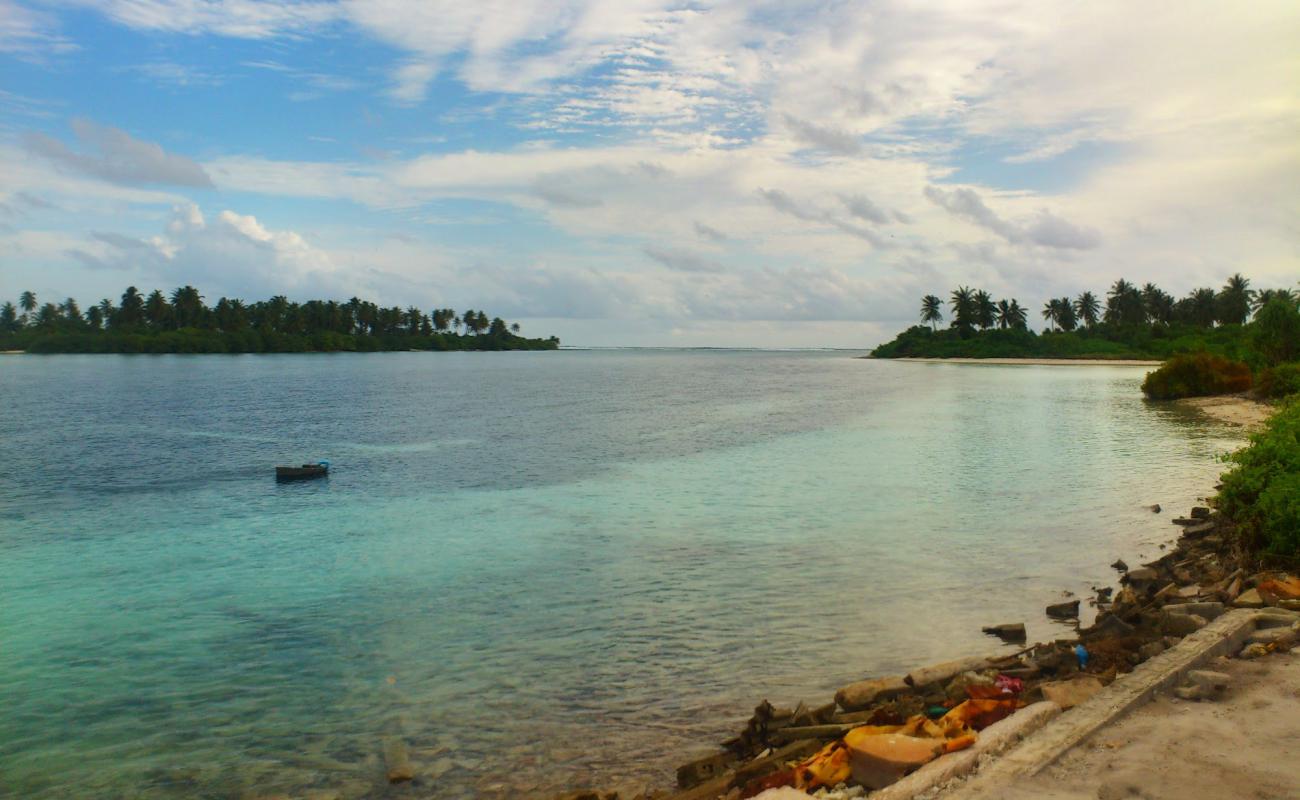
(1081, 653)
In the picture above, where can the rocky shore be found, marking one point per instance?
(877, 730)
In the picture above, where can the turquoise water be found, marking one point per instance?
(542, 570)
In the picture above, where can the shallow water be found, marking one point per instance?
(542, 570)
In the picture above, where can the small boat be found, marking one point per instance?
(318, 470)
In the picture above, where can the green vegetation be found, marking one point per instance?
(1261, 493)
(1280, 381)
(184, 324)
(1133, 322)
(1196, 375)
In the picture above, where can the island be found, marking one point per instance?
(183, 323)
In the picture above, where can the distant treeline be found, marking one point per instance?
(182, 323)
(1133, 322)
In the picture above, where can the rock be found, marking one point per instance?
(1166, 594)
(1068, 610)
(1274, 589)
(1189, 592)
(1198, 530)
(1190, 693)
(1011, 631)
(942, 673)
(1200, 512)
(1254, 650)
(1111, 626)
(1248, 599)
(1068, 694)
(703, 769)
(1141, 575)
(1104, 593)
(1120, 565)
(1207, 679)
(1150, 650)
(1181, 624)
(1155, 508)
(782, 793)
(864, 693)
(1276, 618)
(1289, 605)
(1282, 637)
(1208, 609)
(397, 761)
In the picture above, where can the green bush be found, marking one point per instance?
(1275, 333)
(1196, 375)
(1280, 381)
(1262, 492)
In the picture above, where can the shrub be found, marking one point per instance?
(1280, 381)
(1275, 333)
(1196, 375)
(1262, 492)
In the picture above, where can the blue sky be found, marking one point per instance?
(760, 174)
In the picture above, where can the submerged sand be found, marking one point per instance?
(1233, 409)
(1242, 746)
(1049, 362)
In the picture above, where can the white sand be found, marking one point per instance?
(1242, 746)
(1233, 409)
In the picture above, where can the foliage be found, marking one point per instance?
(1196, 375)
(182, 323)
(1261, 493)
(1275, 333)
(1282, 380)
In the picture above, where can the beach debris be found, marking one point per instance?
(1081, 653)
(703, 769)
(1068, 694)
(1249, 599)
(1200, 512)
(1110, 625)
(1275, 589)
(942, 673)
(1009, 631)
(397, 760)
(1281, 637)
(863, 693)
(1119, 565)
(1181, 624)
(1068, 610)
(782, 793)
(1155, 508)
(1208, 609)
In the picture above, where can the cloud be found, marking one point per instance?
(860, 206)
(787, 205)
(30, 35)
(118, 158)
(681, 260)
(709, 232)
(1044, 229)
(826, 138)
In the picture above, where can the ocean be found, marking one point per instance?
(539, 570)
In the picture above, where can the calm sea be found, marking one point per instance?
(542, 570)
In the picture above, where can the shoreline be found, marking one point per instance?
(1231, 409)
(1199, 567)
(1035, 362)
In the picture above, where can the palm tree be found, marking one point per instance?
(986, 312)
(1159, 306)
(514, 328)
(156, 311)
(963, 308)
(1050, 312)
(1065, 315)
(1265, 296)
(27, 302)
(106, 311)
(1087, 308)
(931, 310)
(1234, 301)
(8, 317)
(131, 309)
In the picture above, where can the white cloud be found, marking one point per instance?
(1044, 228)
(30, 35)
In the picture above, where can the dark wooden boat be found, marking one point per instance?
(305, 472)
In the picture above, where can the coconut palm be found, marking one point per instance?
(27, 302)
(1087, 309)
(986, 311)
(1050, 311)
(1234, 301)
(931, 310)
(1265, 296)
(1158, 305)
(1065, 318)
(8, 317)
(962, 301)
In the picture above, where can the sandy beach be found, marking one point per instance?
(1235, 409)
(1042, 362)
(1240, 746)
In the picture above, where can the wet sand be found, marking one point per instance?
(1048, 362)
(1241, 746)
(1233, 409)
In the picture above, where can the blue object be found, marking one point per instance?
(1081, 653)
(324, 464)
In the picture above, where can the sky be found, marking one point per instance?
(767, 174)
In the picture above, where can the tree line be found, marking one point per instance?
(1126, 305)
(230, 324)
